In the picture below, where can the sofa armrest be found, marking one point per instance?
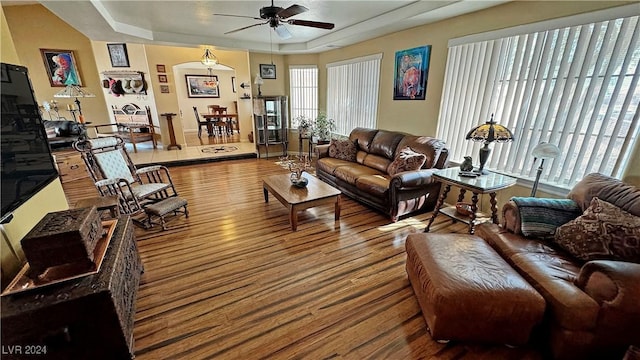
(611, 282)
(511, 217)
(322, 151)
(412, 179)
(615, 286)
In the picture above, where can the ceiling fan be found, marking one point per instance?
(277, 16)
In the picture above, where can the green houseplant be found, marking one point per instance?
(323, 127)
(305, 126)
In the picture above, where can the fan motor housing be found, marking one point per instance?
(269, 12)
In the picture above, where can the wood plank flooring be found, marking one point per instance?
(234, 282)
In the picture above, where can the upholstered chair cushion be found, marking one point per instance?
(343, 149)
(603, 232)
(406, 160)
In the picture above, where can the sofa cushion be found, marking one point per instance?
(604, 231)
(385, 143)
(329, 165)
(343, 149)
(608, 189)
(377, 185)
(406, 160)
(362, 137)
(377, 162)
(539, 217)
(349, 174)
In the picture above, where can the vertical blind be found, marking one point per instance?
(352, 93)
(303, 90)
(576, 87)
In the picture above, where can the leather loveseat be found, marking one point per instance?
(63, 133)
(592, 306)
(380, 172)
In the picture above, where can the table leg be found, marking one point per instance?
(438, 206)
(293, 218)
(461, 196)
(266, 194)
(474, 209)
(337, 209)
(494, 209)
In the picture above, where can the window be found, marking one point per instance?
(352, 93)
(303, 89)
(576, 87)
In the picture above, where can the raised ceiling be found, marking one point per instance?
(192, 23)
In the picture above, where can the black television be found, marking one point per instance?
(27, 164)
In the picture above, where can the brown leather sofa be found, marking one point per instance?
(367, 180)
(593, 307)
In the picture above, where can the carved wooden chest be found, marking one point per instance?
(63, 237)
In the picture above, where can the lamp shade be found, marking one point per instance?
(73, 91)
(545, 151)
(490, 132)
(208, 59)
(258, 80)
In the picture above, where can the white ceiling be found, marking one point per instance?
(192, 23)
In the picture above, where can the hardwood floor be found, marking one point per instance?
(234, 282)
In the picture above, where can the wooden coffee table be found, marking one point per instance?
(314, 194)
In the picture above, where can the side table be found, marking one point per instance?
(490, 184)
(172, 135)
(301, 142)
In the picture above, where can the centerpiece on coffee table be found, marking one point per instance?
(297, 167)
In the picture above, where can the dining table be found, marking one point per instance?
(221, 121)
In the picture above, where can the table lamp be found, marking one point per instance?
(74, 91)
(542, 151)
(258, 81)
(488, 133)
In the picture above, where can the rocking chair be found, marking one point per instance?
(114, 173)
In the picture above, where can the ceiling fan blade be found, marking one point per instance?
(283, 32)
(240, 16)
(316, 24)
(246, 27)
(291, 11)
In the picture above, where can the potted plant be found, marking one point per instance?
(323, 127)
(305, 126)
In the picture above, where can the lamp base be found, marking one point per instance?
(481, 172)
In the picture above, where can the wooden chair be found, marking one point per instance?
(133, 128)
(114, 173)
(201, 123)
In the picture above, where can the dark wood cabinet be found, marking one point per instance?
(90, 317)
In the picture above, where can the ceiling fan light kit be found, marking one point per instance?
(277, 16)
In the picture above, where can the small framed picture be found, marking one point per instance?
(162, 78)
(164, 89)
(267, 71)
(160, 68)
(118, 55)
(233, 83)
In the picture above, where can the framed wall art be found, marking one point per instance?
(202, 86)
(267, 71)
(61, 67)
(164, 89)
(160, 68)
(162, 78)
(118, 55)
(411, 72)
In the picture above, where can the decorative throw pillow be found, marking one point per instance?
(604, 231)
(343, 149)
(406, 160)
(51, 132)
(539, 217)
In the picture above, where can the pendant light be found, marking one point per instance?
(209, 60)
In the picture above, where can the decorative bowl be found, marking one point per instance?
(301, 182)
(463, 209)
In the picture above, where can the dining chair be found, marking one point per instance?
(201, 123)
(222, 122)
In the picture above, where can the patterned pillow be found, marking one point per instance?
(604, 231)
(406, 160)
(343, 149)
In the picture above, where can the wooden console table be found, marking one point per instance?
(172, 134)
(89, 317)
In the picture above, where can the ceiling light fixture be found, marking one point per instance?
(209, 60)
